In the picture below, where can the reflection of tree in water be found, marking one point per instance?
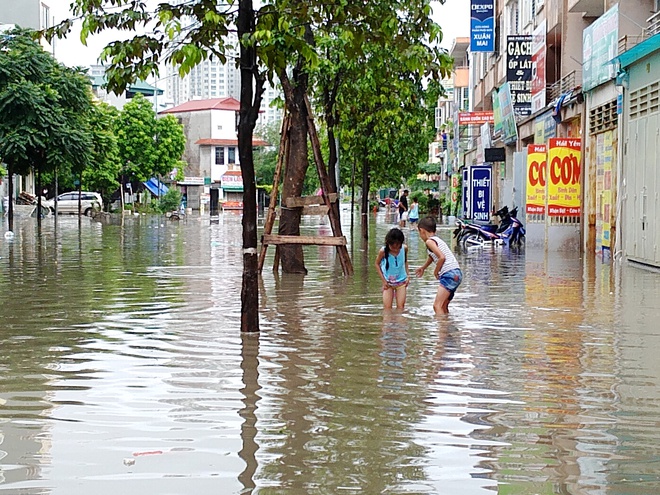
(348, 406)
(57, 287)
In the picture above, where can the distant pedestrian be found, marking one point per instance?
(413, 214)
(392, 266)
(403, 208)
(446, 271)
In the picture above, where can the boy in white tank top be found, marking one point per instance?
(446, 271)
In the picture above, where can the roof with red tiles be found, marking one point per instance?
(227, 103)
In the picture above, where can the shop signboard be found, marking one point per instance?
(536, 174)
(600, 42)
(538, 67)
(480, 192)
(563, 177)
(482, 26)
(519, 72)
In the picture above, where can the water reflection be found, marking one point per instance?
(121, 342)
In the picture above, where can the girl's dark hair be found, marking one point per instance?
(394, 236)
(428, 224)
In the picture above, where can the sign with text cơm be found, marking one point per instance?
(536, 173)
(563, 177)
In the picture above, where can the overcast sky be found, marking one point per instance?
(453, 17)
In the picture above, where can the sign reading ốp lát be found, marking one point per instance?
(519, 72)
(536, 174)
(563, 177)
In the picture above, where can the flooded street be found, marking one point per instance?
(123, 370)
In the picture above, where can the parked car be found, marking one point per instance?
(68, 203)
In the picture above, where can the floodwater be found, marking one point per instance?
(123, 370)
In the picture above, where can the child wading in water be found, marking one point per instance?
(392, 266)
(446, 270)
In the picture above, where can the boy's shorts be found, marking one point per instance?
(451, 280)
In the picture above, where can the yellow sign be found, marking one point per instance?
(564, 156)
(536, 172)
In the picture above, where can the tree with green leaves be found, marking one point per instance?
(148, 146)
(279, 39)
(102, 174)
(45, 108)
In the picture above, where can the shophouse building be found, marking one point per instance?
(554, 97)
(638, 204)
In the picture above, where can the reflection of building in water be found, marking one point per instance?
(566, 365)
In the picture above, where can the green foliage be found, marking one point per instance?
(170, 201)
(102, 174)
(170, 145)
(136, 131)
(45, 109)
(148, 146)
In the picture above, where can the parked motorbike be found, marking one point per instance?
(510, 231)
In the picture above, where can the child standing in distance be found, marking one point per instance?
(446, 271)
(392, 266)
(413, 216)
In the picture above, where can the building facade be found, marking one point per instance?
(551, 83)
(211, 154)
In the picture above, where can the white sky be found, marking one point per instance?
(453, 17)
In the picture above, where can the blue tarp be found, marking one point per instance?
(152, 185)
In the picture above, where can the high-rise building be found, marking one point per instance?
(32, 14)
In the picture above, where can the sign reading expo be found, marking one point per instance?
(482, 25)
(536, 172)
(563, 177)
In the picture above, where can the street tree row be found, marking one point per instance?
(52, 126)
(371, 68)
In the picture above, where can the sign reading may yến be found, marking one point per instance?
(563, 177)
(536, 174)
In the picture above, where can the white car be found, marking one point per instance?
(68, 203)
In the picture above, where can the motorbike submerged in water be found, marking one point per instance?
(509, 232)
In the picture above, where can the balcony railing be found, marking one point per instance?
(653, 25)
(565, 84)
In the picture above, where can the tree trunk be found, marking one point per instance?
(333, 163)
(10, 196)
(249, 111)
(39, 197)
(291, 256)
(366, 184)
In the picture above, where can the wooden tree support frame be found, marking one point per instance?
(310, 205)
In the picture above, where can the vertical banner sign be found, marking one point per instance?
(482, 26)
(536, 174)
(509, 128)
(480, 192)
(563, 177)
(466, 197)
(600, 43)
(455, 193)
(519, 72)
(538, 67)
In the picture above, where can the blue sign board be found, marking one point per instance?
(466, 198)
(481, 192)
(482, 25)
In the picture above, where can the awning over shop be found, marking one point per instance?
(156, 187)
(637, 52)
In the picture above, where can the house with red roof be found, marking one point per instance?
(213, 173)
